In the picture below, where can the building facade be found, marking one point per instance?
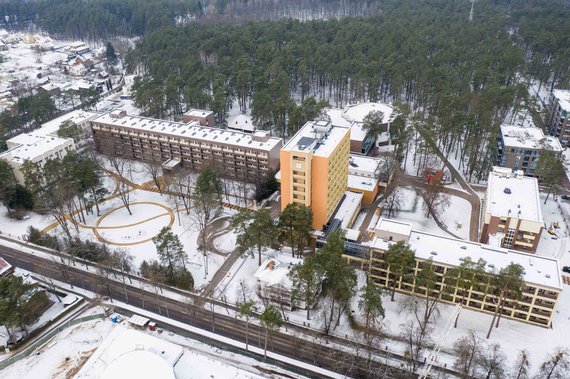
(241, 156)
(512, 217)
(558, 123)
(520, 148)
(314, 169)
(540, 293)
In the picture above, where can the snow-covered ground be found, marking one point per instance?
(63, 355)
(70, 350)
(412, 211)
(151, 212)
(457, 216)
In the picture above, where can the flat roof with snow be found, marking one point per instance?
(528, 138)
(320, 137)
(190, 130)
(563, 97)
(241, 122)
(513, 195)
(357, 112)
(539, 270)
(393, 226)
(32, 146)
(78, 117)
(364, 166)
(349, 207)
(361, 183)
(198, 113)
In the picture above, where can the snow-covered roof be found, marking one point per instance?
(34, 145)
(357, 133)
(198, 113)
(241, 122)
(357, 112)
(539, 270)
(563, 97)
(364, 166)
(69, 299)
(320, 137)
(4, 267)
(362, 183)
(337, 118)
(138, 320)
(275, 270)
(127, 353)
(4, 336)
(79, 117)
(349, 207)
(512, 195)
(528, 138)
(139, 364)
(393, 226)
(190, 130)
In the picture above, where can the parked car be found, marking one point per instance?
(566, 269)
(565, 197)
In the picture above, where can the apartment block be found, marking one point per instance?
(558, 123)
(236, 155)
(541, 292)
(520, 148)
(314, 169)
(511, 211)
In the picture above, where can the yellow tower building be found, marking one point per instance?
(314, 169)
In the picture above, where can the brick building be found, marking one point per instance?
(237, 155)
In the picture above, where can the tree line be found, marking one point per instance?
(461, 78)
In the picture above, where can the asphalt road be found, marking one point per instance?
(317, 351)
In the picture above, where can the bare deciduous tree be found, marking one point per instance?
(467, 350)
(492, 362)
(556, 366)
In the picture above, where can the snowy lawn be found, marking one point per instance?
(457, 216)
(62, 356)
(412, 212)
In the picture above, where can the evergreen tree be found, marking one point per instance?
(256, 231)
(110, 54)
(371, 306)
(306, 280)
(295, 225)
(401, 261)
(508, 283)
(170, 253)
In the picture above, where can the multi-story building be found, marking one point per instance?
(540, 294)
(237, 155)
(43, 144)
(558, 124)
(314, 169)
(520, 148)
(511, 211)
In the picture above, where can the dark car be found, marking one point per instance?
(565, 197)
(566, 269)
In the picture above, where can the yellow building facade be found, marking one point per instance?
(314, 169)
